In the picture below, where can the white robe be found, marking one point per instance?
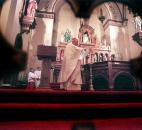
(70, 73)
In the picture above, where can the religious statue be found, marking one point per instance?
(106, 57)
(86, 37)
(101, 57)
(32, 6)
(27, 18)
(113, 57)
(138, 24)
(96, 57)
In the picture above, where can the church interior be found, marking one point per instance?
(38, 31)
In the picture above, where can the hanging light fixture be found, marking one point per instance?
(101, 16)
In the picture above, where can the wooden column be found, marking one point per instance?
(110, 75)
(47, 54)
(45, 75)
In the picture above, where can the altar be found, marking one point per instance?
(107, 75)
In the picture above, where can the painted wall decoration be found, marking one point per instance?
(67, 36)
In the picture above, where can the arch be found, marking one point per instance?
(108, 10)
(61, 20)
(51, 5)
(133, 5)
(100, 82)
(123, 81)
(115, 11)
(55, 5)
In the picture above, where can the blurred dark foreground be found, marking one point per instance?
(11, 59)
(136, 67)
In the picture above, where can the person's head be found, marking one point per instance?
(38, 68)
(31, 70)
(75, 41)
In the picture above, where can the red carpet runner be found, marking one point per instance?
(41, 109)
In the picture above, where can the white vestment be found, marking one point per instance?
(70, 74)
(31, 77)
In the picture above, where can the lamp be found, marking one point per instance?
(101, 17)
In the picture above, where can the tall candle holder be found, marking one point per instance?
(91, 78)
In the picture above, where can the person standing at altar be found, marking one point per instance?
(70, 74)
(31, 79)
(38, 76)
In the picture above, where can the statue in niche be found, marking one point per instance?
(67, 36)
(106, 57)
(138, 24)
(96, 57)
(32, 6)
(113, 57)
(86, 38)
(101, 57)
